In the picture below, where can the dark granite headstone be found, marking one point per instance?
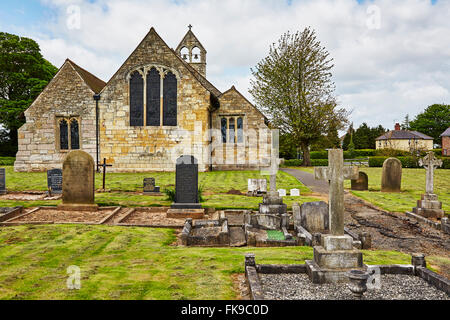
(186, 183)
(149, 186)
(2, 181)
(54, 180)
(362, 184)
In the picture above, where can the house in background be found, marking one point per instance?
(404, 140)
(446, 142)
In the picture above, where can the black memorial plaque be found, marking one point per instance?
(186, 184)
(149, 186)
(2, 181)
(54, 180)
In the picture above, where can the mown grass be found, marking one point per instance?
(124, 188)
(130, 263)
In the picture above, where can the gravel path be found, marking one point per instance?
(393, 287)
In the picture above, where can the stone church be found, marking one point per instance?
(156, 107)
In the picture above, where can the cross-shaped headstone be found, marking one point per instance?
(430, 163)
(104, 165)
(336, 173)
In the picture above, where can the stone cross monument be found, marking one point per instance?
(336, 254)
(429, 206)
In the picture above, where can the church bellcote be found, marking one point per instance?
(192, 51)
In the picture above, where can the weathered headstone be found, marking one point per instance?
(429, 206)
(257, 187)
(362, 183)
(314, 216)
(54, 180)
(78, 182)
(391, 178)
(150, 186)
(186, 183)
(282, 192)
(295, 193)
(2, 181)
(336, 254)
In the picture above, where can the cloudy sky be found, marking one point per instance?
(392, 57)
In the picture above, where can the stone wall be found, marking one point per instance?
(67, 95)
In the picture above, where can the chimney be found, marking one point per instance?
(397, 126)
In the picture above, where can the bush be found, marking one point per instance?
(318, 154)
(391, 153)
(292, 163)
(7, 161)
(445, 162)
(171, 194)
(319, 162)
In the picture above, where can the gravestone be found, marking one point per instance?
(336, 254)
(150, 186)
(2, 181)
(54, 181)
(295, 192)
(78, 182)
(429, 206)
(314, 216)
(391, 177)
(362, 183)
(186, 183)
(282, 192)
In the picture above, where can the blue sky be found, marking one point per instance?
(391, 57)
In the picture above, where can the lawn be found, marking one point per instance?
(130, 263)
(413, 185)
(124, 188)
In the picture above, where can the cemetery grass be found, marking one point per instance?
(125, 188)
(130, 263)
(413, 186)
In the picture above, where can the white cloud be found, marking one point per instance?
(381, 74)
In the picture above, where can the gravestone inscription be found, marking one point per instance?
(2, 181)
(150, 186)
(186, 183)
(54, 180)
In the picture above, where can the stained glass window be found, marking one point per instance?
(223, 123)
(170, 100)
(136, 99)
(231, 133)
(63, 135)
(74, 135)
(240, 130)
(153, 97)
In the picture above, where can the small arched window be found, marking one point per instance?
(240, 130)
(232, 133)
(63, 135)
(136, 99)
(196, 55)
(74, 135)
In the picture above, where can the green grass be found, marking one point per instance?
(130, 263)
(124, 186)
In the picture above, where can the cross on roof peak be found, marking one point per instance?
(190, 27)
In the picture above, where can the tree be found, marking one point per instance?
(293, 87)
(405, 124)
(363, 137)
(23, 75)
(433, 121)
(348, 135)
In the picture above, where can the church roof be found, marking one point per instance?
(92, 81)
(446, 133)
(403, 135)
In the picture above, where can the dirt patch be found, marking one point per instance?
(29, 196)
(152, 217)
(395, 231)
(240, 286)
(57, 216)
(235, 192)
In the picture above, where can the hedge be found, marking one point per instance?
(407, 162)
(7, 161)
(298, 163)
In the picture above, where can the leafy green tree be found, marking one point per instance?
(433, 121)
(363, 137)
(348, 135)
(351, 147)
(406, 122)
(293, 86)
(23, 75)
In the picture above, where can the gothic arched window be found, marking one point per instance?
(63, 135)
(74, 135)
(136, 99)
(153, 97)
(170, 100)
(231, 133)
(240, 130)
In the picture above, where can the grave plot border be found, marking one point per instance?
(16, 211)
(252, 271)
(433, 224)
(154, 209)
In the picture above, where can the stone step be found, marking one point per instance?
(237, 237)
(338, 259)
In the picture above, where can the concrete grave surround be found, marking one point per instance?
(78, 182)
(336, 254)
(429, 206)
(362, 183)
(391, 177)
